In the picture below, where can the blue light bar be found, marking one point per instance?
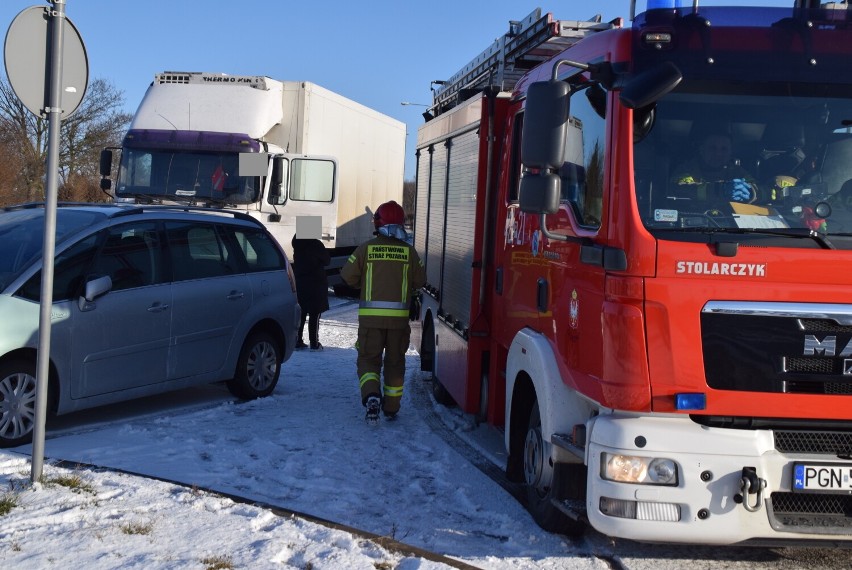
(663, 4)
(690, 401)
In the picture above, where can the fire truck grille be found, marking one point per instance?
(780, 354)
(836, 388)
(812, 365)
(817, 325)
(811, 513)
(815, 442)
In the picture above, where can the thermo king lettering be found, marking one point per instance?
(733, 269)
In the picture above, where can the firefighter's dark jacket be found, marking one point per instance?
(388, 271)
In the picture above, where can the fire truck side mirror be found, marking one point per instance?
(649, 86)
(545, 124)
(539, 193)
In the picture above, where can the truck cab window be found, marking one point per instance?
(786, 150)
(582, 170)
(312, 180)
(177, 176)
(515, 177)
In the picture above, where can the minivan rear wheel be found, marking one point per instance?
(17, 402)
(258, 367)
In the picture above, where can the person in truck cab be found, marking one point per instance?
(388, 271)
(712, 173)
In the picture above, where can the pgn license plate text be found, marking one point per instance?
(822, 477)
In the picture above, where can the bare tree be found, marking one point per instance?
(9, 169)
(97, 123)
(408, 200)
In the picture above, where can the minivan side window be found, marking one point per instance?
(70, 268)
(259, 249)
(131, 256)
(197, 251)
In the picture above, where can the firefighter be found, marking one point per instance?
(388, 271)
(713, 167)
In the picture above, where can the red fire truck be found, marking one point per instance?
(666, 344)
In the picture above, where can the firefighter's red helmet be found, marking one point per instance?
(389, 213)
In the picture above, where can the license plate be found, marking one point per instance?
(822, 477)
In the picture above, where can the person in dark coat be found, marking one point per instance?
(309, 261)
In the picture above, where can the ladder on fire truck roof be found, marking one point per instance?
(528, 42)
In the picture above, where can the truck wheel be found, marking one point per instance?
(257, 368)
(538, 478)
(482, 412)
(440, 393)
(17, 402)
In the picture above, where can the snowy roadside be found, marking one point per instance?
(307, 449)
(100, 519)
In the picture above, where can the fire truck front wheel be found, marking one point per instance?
(540, 484)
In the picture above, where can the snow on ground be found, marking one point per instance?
(305, 449)
(103, 519)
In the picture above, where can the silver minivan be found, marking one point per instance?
(146, 299)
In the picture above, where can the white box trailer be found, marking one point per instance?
(277, 150)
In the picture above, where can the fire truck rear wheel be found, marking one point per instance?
(482, 412)
(440, 393)
(538, 478)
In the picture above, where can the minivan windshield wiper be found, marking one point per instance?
(797, 233)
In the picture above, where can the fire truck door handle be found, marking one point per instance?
(541, 293)
(498, 281)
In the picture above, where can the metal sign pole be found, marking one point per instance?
(53, 112)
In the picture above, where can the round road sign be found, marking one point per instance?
(27, 61)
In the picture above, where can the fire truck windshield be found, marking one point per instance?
(745, 156)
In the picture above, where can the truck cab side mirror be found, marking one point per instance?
(649, 86)
(276, 182)
(539, 193)
(543, 145)
(105, 168)
(545, 124)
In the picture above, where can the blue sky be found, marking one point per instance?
(377, 52)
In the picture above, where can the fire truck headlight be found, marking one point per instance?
(639, 470)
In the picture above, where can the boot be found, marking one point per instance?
(374, 404)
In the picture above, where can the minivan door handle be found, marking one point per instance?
(157, 308)
(234, 295)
